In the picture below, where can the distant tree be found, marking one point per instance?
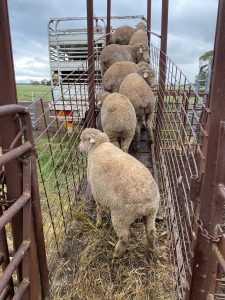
(44, 82)
(35, 82)
(48, 82)
(204, 59)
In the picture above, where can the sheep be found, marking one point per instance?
(141, 96)
(118, 119)
(115, 74)
(114, 53)
(147, 72)
(123, 33)
(121, 185)
(139, 37)
(141, 25)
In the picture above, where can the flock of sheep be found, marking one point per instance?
(121, 184)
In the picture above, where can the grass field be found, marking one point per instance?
(32, 92)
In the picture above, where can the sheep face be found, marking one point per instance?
(149, 76)
(142, 53)
(90, 138)
(147, 73)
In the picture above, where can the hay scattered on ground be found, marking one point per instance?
(86, 270)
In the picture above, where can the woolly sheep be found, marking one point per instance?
(140, 25)
(114, 53)
(123, 33)
(115, 74)
(139, 37)
(118, 119)
(141, 96)
(147, 72)
(121, 185)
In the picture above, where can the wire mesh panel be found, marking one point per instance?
(61, 167)
(179, 128)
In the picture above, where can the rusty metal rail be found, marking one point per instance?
(19, 267)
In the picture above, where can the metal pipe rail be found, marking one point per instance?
(13, 264)
(30, 283)
(12, 210)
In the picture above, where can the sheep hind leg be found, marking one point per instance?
(125, 143)
(113, 140)
(122, 231)
(150, 230)
(99, 215)
(149, 123)
(138, 134)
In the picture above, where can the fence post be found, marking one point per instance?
(162, 70)
(217, 209)
(149, 20)
(108, 29)
(203, 269)
(9, 128)
(8, 132)
(91, 66)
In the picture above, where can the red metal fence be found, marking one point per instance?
(21, 263)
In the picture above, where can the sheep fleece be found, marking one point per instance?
(121, 183)
(139, 37)
(115, 74)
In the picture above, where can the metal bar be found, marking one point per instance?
(15, 153)
(9, 127)
(13, 264)
(5, 256)
(27, 227)
(91, 66)
(11, 109)
(162, 65)
(21, 290)
(5, 294)
(149, 19)
(13, 210)
(201, 271)
(38, 226)
(219, 256)
(217, 209)
(108, 26)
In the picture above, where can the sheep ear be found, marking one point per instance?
(145, 75)
(92, 141)
(140, 50)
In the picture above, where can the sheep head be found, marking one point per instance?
(147, 73)
(90, 138)
(141, 25)
(141, 53)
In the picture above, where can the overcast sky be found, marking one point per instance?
(191, 29)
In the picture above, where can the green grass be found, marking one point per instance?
(25, 92)
(57, 181)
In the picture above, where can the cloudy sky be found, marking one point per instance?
(191, 29)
